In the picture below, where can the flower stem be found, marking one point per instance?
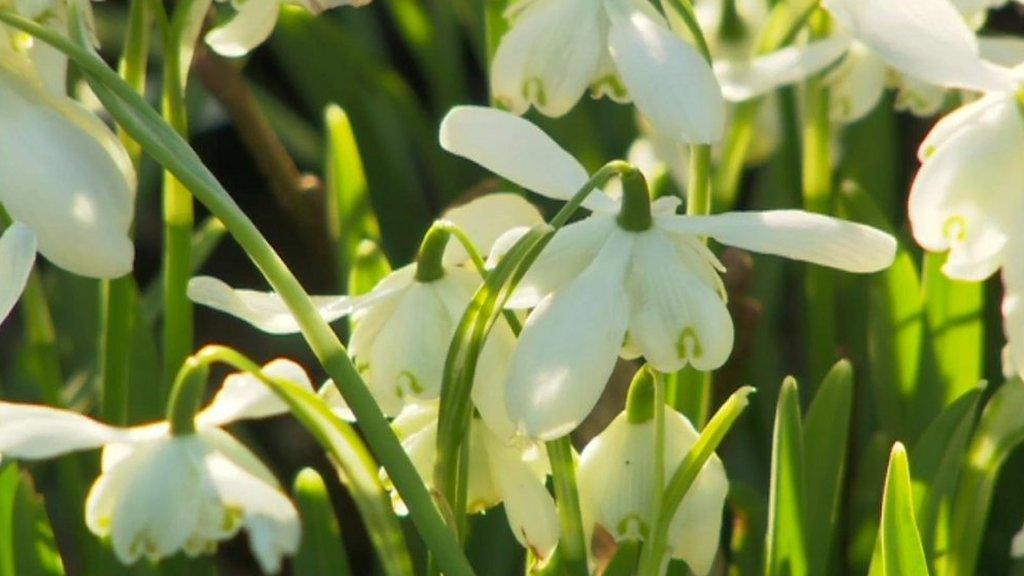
(572, 546)
(168, 148)
(178, 213)
(118, 296)
(817, 194)
(187, 395)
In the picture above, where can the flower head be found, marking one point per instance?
(159, 492)
(556, 49)
(601, 283)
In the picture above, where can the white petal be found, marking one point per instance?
(964, 117)
(695, 529)
(857, 84)
(670, 82)
(549, 56)
(157, 500)
(17, 255)
(927, 39)
(491, 376)
(243, 396)
(267, 311)
(677, 314)
(408, 354)
(253, 24)
(568, 348)
(1013, 310)
(66, 176)
(743, 80)
(189, 39)
(270, 518)
(794, 234)
(530, 509)
(919, 98)
(517, 150)
(966, 197)
(487, 218)
(569, 253)
(1003, 50)
(34, 432)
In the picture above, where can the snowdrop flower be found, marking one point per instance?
(556, 49)
(631, 272)
(403, 327)
(617, 483)
(253, 22)
(162, 491)
(499, 473)
(68, 183)
(967, 199)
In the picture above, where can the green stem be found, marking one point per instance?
(178, 213)
(187, 395)
(817, 195)
(572, 545)
(168, 148)
(117, 296)
(635, 214)
(653, 558)
(430, 259)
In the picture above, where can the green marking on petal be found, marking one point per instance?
(688, 344)
(410, 382)
(632, 527)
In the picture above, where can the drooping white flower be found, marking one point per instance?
(499, 473)
(597, 281)
(404, 326)
(160, 493)
(617, 487)
(556, 49)
(254, 22)
(67, 181)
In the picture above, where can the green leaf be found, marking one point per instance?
(322, 550)
(954, 312)
(786, 553)
(936, 461)
(625, 559)
(27, 546)
(1000, 430)
(899, 542)
(826, 429)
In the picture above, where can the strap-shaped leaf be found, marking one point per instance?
(322, 550)
(899, 541)
(27, 547)
(785, 548)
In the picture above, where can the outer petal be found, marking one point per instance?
(270, 518)
(794, 234)
(743, 80)
(485, 219)
(966, 197)
(677, 314)
(528, 504)
(567, 349)
(67, 176)
(568, 254)
(670, 82)
(245, 397)
(549, 56)
(17, 255)
(963, 117)
(1003, 50)
(268, 312)
(253, 24)
(490, 380)
(34, 432)
(157, 506)
(517, 150)
(331, 396)
(927, 39)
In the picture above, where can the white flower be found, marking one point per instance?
(67, 181)
(254, 22)
(968, 198)
(556, 49)
(403, 328)
(596, 281)
(617, 485)
(160, 493)
(499, 473)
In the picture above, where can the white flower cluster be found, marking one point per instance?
(632, 279)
